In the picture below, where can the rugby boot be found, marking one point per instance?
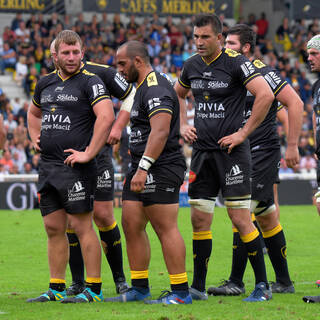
(50, 295)
(168, 297)
(86, 296)
(278, 287)
(227, 288)
(132, 294)
(260, 293)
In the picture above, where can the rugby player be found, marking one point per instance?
(313, 48)
(103, 198)
(219, 79)
(151, 189)
(69, 120)
(265, 152)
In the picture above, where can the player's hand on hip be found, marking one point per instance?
(138, 181)
(292, 156)
(188, 133)
(76, 157)
(231, 141)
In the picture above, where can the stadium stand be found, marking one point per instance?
(170, 43)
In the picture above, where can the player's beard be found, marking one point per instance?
(67, 70)
(133, 74)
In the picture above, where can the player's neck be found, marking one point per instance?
(143, 73)
(65, 76)
(209, 59)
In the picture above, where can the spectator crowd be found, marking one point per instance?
(24, 52)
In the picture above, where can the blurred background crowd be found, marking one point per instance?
(25, 55)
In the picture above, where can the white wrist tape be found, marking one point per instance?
(146, 162)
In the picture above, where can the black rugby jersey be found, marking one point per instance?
(316, 110)
(154, 95)
(67, 111)
(266, 136)
(219, 91)
(117, 86)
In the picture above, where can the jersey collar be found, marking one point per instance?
(140, 84)
(59, 75)
(208, 63)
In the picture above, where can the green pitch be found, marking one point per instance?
(24, 273)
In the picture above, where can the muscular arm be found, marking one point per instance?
(188, 133)
(160, 129)
(102, 126)
(122, 119)
(282, 116)
(289, 98)
(263, 99)
(34, 125)
(119, 124)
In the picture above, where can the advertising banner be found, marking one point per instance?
(161, 7)
(32, 6)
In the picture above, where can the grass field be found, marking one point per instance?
(24, 273)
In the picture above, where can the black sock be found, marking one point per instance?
(94, 286)
(57, 286)
(140, 283)
(255, 254)
(239, 259)
(202, 246)
(111, 243)
(255, 222)
(277, 250)
(75, 259)
(179, 282)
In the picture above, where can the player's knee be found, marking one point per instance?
(204, 205)
(54, 230)
(242, 202)
(262, 211)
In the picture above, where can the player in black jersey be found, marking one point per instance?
(219, 80)
(265, 152)
(103, 203)
(69, 121)
(151, 189)
(313, 48)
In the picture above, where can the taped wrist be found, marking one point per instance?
(146, 162)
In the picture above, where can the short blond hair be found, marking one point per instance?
(68, 37)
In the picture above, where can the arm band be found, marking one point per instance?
(146, 162)
(128, 101)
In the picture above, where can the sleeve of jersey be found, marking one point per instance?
(37, 94)
(183, 79)
(245, 69)
(275, 81)
(96, 90)
(280, 106)
(118, 87)
(158, 100)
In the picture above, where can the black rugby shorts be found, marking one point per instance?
(105, 176)
(213, 170)
(265, 172)
(63, 187)
(162, 185)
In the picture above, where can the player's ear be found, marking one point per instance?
(246, 48)
(138, 61)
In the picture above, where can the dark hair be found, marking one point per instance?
(202, 20)
(68, 37)
(136, 48)
(246, 35)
